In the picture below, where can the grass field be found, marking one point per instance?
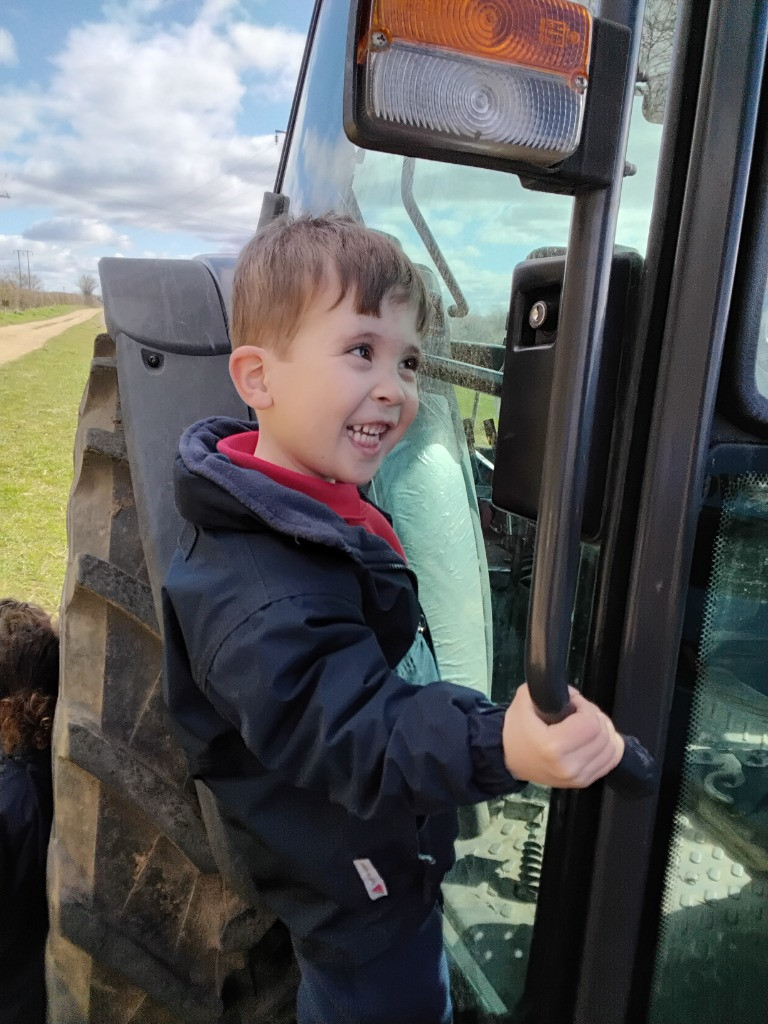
(39, 399)
(25, 316)
(487, 407)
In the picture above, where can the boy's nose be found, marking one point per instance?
(389, 389)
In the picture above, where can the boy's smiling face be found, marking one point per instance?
(343, 395)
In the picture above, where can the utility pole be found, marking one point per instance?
(19, 253)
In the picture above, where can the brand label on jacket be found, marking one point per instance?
(372, 880)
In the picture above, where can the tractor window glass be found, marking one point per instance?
(713, 945)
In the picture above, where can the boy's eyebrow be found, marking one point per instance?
(363, 336)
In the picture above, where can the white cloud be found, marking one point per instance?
(21, 114)
(7, 48)
(271, 51)
(73, 229)
(139, 126)
(131, 10)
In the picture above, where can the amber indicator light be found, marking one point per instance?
(547, 35)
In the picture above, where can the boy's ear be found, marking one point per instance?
(248, 369)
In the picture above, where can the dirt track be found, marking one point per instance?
(18, 339)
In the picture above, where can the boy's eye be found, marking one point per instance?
(364, 351)
(412, 364)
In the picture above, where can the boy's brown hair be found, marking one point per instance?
(29, 676)
(284, 266)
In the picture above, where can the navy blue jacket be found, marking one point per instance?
(283, 626)
(26, 809)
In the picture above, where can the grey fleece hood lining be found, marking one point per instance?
(288, 512)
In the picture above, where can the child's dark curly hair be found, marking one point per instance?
(29, 676)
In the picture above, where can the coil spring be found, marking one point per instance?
(531, 858)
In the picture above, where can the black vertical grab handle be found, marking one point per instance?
(563, 482)
(564, 472)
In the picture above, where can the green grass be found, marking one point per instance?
(39, 399)
(487, 408)
(25, 316)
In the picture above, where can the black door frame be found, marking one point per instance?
(692, 344)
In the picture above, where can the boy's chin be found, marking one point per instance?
(358, 481)
(361, 477)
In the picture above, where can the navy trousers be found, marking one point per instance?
(406, 985)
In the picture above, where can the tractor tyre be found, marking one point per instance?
(143, 928)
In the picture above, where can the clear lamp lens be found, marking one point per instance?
(477, 100)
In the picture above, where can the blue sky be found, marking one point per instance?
(139, 127)
(151, 128)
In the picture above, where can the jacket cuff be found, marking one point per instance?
(489, 771)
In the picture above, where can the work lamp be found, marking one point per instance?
(503, 83)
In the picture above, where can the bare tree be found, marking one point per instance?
(87, 285)
(655, 59)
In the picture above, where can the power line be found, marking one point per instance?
(211, 181)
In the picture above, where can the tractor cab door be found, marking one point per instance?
(595, 907)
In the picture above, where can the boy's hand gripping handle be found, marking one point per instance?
(634, 775)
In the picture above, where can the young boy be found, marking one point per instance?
(296, 655)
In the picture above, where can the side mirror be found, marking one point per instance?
(533, 87)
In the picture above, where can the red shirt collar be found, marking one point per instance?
(344, 499)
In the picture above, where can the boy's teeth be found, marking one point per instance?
(369, 431)
(367, 436)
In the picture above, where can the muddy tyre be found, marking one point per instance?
(144, 929)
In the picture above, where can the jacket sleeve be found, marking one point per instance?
(306, 684)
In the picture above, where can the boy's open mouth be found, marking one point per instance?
(368, 435)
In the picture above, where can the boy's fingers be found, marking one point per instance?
(586, 708)
(585, 726)
(588, 758)
(601, 759)
(584, 773)
(614, 740)
(576, 722)
(578, 700)
(585, 746)
(600, 767)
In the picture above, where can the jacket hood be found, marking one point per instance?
(212, 492)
